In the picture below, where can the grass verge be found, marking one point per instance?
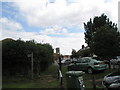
(49, 79)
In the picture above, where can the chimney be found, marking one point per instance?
(58, 50)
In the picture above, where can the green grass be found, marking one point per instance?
(49, 79)
(33, 84)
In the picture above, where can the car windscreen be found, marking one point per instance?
(84, 60)
(79, 60)
(93, 60)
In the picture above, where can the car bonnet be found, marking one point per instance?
(110, 78)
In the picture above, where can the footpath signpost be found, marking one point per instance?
(31, 55)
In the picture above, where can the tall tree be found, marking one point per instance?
(106, 44)
(102, 37)
(92, 26)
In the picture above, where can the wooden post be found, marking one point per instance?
(60, 66)
(32, 66)
(94, 83)
(31, 56)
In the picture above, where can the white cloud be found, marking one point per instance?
(73, 41)
(55, 17)
(55, 30)
(10, 25)
(12, 29)
(41, 14)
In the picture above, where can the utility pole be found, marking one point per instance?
(60, 68)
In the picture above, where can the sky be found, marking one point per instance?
(57, 22)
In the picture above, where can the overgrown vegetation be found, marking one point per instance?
(15, 60)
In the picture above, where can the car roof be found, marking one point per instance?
(86, 57)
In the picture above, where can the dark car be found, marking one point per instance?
(87, 64)
(112, 81)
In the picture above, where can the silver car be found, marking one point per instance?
(112, 81)
(115, 61)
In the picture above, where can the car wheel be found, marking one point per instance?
(90, 70)
(69, 69)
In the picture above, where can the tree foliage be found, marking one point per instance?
(74, 54)
(84, 53)
(106, 44)
(102, 37)
(15, 56)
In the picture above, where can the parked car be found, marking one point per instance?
(112, 81)
(66, 61)
(115, 61)
(74, 60)
(87, 64)
(106, 61)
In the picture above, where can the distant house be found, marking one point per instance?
(84, 52)
(83, 48)
(66, 56)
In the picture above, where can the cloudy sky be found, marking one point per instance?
(58, 22)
